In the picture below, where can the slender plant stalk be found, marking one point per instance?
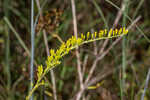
(17, 35)
(123, 74)
(6, 3)
(77, 50)
(80, 74)
(101, 13)
(7, 53)
(32, 47)
(39, 13)
(146, 84)
(137, 8)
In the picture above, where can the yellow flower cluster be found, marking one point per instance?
(64, 49)
(103, 34)
(73, 42)
(40, 71)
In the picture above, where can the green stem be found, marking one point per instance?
(100, 12)
(7, 55)
(17, 35)
(125, 3)
(33, 89)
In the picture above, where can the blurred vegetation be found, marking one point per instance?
(15, 59)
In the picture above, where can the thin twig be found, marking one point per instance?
(92, 70)
(32, 47)
(119, 14)
(146, 85)
(84, 64)
(94, 43)
(77, 52)
(39, 13)
(134, 22)
(17, 82)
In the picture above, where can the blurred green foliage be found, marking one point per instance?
(88, 17)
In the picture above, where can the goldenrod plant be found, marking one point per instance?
(55, 55)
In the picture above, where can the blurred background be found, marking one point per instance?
(121, 71)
